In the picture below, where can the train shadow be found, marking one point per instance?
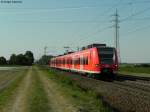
(105, 77)
(120, 77)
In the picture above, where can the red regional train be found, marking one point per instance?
(94, 60)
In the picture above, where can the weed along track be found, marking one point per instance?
(56, 99)
(37, 97)
(125, 95)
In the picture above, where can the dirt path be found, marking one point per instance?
(19, 99)
(26, 93)
(56, 99)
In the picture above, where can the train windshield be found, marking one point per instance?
(106, 55)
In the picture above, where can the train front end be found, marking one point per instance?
(108, 61)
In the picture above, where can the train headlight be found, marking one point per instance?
(96, 65)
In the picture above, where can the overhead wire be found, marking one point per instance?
(38, 8)
(107, 27)
(98, 31)
(137, 29)
(37, 21)
(135, 14)
(138, 2)
(136, 19)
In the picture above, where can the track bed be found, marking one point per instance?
(126, 94)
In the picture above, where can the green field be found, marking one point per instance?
(135, 70)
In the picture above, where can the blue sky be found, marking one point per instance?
(58, 23)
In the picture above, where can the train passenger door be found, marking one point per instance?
(81, 62)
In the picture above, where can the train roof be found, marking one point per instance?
(95, 45)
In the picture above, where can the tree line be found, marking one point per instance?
(20, 59)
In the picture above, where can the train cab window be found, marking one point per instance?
(106, 55)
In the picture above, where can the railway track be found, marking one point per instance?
(132, 77)
(125, 96)
(125, 93)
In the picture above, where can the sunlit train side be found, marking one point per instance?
(92, 60)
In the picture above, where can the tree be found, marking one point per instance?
(30, 58)
(21, 60)
(13, 59)
(3, 61)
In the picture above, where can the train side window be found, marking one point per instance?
(64, 61)
(90, 54)
(71, 61)
(82, 61)
(75, 61)
(67, 61)
(78, 61)
(86, 60)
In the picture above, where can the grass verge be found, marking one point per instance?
(37, 99)
(84, 100)
(133, 69)
(6, 93)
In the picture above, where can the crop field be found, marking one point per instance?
(36, 89)
(135, 71)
